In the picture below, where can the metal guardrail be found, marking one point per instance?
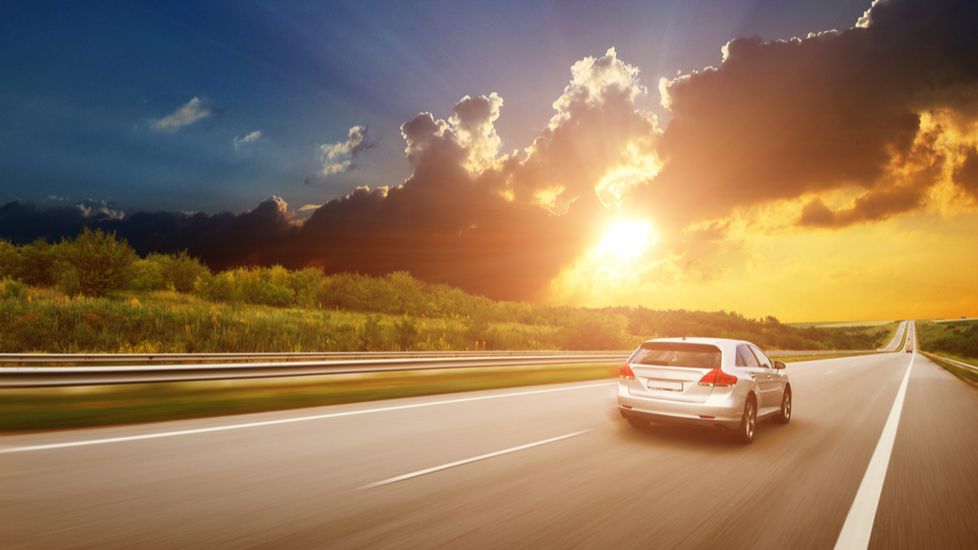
(42, 370)
(25, 359)
(47, 376)
(10, 359)
(816, 352)
(952, 361)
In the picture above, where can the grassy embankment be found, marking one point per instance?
(44, 319)
(954, 340)
(60, 408)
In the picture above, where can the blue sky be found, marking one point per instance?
(83, 83)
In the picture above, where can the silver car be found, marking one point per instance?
(705, 381)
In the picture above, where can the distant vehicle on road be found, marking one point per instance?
(713, 382)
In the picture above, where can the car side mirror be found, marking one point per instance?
(778, 365)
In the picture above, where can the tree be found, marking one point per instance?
(36, 264)
(96, 262)
(146, 275)
(9, 260)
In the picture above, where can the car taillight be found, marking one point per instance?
(717, 377)
(625, 371)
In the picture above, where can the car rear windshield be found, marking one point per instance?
(677, 354)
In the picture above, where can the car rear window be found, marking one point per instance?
(677, 354)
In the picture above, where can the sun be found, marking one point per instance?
(627, 240)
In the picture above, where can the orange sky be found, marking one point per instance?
(917, 266)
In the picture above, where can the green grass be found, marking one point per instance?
(957, 339)
(166, 321)
(60, 408)
(43, 319)
(954, 340)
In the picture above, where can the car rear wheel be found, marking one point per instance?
(748, 422)
(784, 415)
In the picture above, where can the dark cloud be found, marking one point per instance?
(778, 120)
(223, 240)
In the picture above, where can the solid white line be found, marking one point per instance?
(859, 523)
(464, 461)
(228, 427)
(830, 371)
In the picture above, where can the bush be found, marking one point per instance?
(596, 331)
(95, 263)
(372, 335)
(180, 271)
(146, 275)
(12, 289)
(265, 286)
(406, 330)
(477, 333)
(8, 259)
(36, 263)
(307, 285)
(216, 288)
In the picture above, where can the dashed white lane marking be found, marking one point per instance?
(228, 427)
(858, 527)
(433, 469)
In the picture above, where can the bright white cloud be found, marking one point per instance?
(250, 137)
(473, 121)
(185, 115)
(593, 80)
(338, 157)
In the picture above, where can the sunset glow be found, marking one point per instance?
(627, 240)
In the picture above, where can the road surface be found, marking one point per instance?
(899, 339)
(540, 467)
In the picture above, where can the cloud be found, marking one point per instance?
(185, 115)
(473, 119)
(250, 137)
(966, 175)
(854, 109)
(598, 143)
(338, 157)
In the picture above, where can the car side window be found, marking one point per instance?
(745, 358)
(762, 358)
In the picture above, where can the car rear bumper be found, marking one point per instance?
(724, 410)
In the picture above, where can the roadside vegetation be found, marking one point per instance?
(954, 340)
(958, 339)
(59, 408)
(93, 293)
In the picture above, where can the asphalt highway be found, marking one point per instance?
(541, 467)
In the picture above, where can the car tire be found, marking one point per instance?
(748, 422)
(784, 415)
